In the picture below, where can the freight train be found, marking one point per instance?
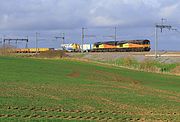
(111, 46)
(108, 46)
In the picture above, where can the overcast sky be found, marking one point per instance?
(135, 19)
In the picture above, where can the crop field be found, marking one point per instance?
(70, 90)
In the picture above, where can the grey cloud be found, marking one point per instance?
(42, 14)
(54, 14)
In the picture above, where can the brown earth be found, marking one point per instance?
(74, 74)
(176, 70)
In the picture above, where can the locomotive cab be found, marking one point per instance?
(146, 42)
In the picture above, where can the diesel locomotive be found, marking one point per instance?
(122, 46)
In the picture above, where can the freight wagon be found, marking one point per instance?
(32, 50)
(87, 47)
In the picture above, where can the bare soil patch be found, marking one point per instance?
(52, 54)
(74, 74)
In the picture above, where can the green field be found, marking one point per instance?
(68, 90)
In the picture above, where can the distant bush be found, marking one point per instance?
(126, 61)
(165, 67)
(149, 65)
(146, 65)
(130, 62)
